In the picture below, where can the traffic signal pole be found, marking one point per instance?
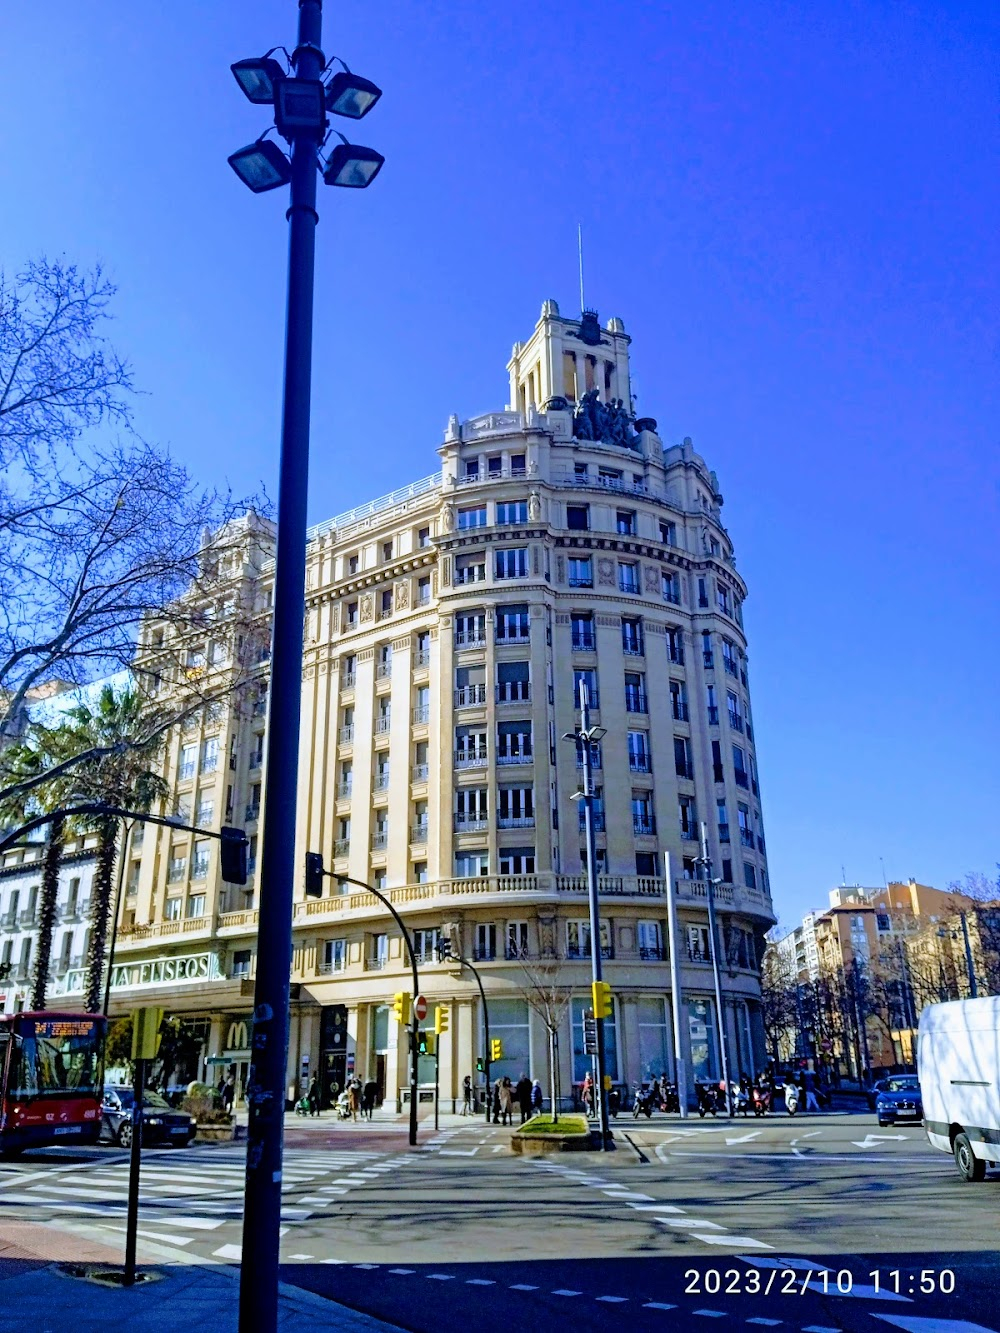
(601, 1091)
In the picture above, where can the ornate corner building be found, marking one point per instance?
(447, 627)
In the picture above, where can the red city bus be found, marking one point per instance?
(51, 1079)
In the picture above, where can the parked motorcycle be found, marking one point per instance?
(791, 1097)
(742, 1098)
(669, 1101)
(643, 1104)
(761, 1099)
(711, 1099)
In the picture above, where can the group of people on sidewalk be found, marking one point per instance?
(526, 1094)
(357, 1098)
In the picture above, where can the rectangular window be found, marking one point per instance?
(746, 828)
(387, 550)
(638, 752)
(423, 591)
(470, 686)
(196, 905)
(474, 517)
(645, 864)
(668, 533)
(688, 818)
(628, 576)
(513, 682)
(420, 875)
(471, 469)
(471, 812)
(582, 627)
(578, 939)
(723, 816)
(471, 865)
(675, 646)
(512, 511)
(205, 811)
(643, 819)
(729, 657)
(735, 713)
(635, 692)
(670, 587)
(749, 875)
(511, 563)
(597, 811)
(581, 571)
(241, 963)
(739, 764)
(334, 956)
(612, 478)
(352, 615)
(678, 701)
(470, 629)
(470, 747)
(172, 909)
(512, 624)
(723, 599)
(650, 939)
(186, 762)
(516, 944)
(423, 537)
(514, 742)
(517, 860)
(486, 941)
(176, 867)
(633, 644)
(718, 775)
(683, 766)
(589, 678)
(625, 522)
(702, 593)
(494, 466)
(578, 517)
(425, 944)
(470, 568)
(712, 704)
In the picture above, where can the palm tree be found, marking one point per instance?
(116, 727)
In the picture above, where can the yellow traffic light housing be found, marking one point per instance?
(496, 1048)
(401, 1006)
(441, 1017)
(601, 992)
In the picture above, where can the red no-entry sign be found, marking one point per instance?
(420, 1008)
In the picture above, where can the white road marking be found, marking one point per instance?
(440, 1277)
(613, 1300)
(234, 1252)
(480, 1282)
(711, 1314)
(911, 1324)
(692, 1222)
(658, 1305)
(743, 1138)
(819, 1328)
(656, 1208)
(300, 1256)
(759, 1319)
(192, 1223)
(367, 1267)
(522, 1286)
(873, 1140)
(745, 1242)
(402, 1272)
(458, 1152)
(565, 1291)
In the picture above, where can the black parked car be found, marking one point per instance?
(160, 1124)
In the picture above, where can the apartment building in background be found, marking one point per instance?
(448, 626)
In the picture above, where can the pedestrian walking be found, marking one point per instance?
(808, 1082)
(312, 1096)
(587, 1095)
(368, 1097)
(523, 1095)
(537, 1098)
(467, 1108)
(506, 1101)
(354, 1096)
(228, 1094)
(496, 1101)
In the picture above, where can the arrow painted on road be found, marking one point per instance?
(744, 1138)
(873, 1140)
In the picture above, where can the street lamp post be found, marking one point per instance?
(585, 737)
(445, 952)
(301, 100)
(713, 942)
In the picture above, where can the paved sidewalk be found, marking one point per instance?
(37, 1295)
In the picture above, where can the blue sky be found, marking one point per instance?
(794, 209)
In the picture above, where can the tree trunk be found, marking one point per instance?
(553, 1075)
(47, 911)
(100, 910)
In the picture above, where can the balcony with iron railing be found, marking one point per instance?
(580, 580)
(470, 638)
(380, 840)
(334, 965)
(383, 670)
(381, 782)
(730, 665)
(633, 648)
(474, 823)
(512, 633)
(347, 680)
(746, 838)
(577, 951)
(675, 653)
(468, 696)
(344, 791)
(470, 574)
(635, 700)
(713, 715)
(639, 763)
(9, 920)
(513, 692)
(341, 847)
(684, 770)
(382, 725)
(723, 832)
(472, 758)
(735, 721)
(420, 772)
(708, 657)
(422, 657)
(376, 964)
(689, 833)
(652, 953)
(514, 754)
(421, 715)
(679, 710)
(584, 643)
(741, 778)
(644, 825)
(598, 819)
(346, 735)
(418, 832)
(515, 821)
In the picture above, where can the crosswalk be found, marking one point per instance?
(191, 1200)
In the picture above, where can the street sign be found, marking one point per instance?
(589, 1033)
(420, 1008)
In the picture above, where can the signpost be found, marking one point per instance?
(145, 1044)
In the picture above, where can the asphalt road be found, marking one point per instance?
(816, 1223)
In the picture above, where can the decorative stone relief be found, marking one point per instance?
(335, 618)
(447, 517)
(547, 937)
(534, 506)
(560, 569)
(366, 611)
(400, 645)
(401, 594)
(606, 573)
(651, 579)
(610, 622)
(536, 566)
(366, 654)
(446, 571)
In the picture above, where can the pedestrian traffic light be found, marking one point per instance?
(496, 1048)
(602, 999)
(401, 1006)
(314, 875)
(480, 1064)
(233, 855)
(425, 1042)
(441, 1018)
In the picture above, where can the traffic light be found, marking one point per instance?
(480, 1064)
(401, 1006)
(314, 875)
(425, 1042)
(441, 1018)
(601, 992)
(233, 855)
(496, 1048)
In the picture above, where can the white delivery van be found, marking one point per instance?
(958, 1061)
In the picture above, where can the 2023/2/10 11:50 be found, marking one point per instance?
(796, 1282)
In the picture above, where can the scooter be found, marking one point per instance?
(761, 1100)
(711, 1099)
(742, 1100)
(643, 1104)
(669, 1100)
(791, 1098)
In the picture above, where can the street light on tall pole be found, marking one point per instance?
(301, 98)
(585, 738)
(713, 943)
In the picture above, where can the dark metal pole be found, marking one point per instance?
(970, 965)
(132, 1218)
(464, 962)
(414, 1024)
(713, 941)
(437, 1078)
(114, 923)
(266, 1078)
(595, 910)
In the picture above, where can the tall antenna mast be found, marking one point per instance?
(579, 243)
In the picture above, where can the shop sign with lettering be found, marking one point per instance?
(176, 970)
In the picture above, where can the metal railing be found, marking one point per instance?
(645, 825)
(679, 710)
(512, 633)
(341, 846)
(471, 823)
(713, 715)
(468, 695)
(470, 638)
(344, 791)
(519, 755)
(513, 692)
(380, 841)
(584, 643)
(382, 725)
(421, 715)
(639, 763)
(418, 832)
(420, 772)
(346, 735)
(471, 758)
(635, 701)
(515, 821)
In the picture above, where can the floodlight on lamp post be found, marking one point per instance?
(350, 95)
(351, 165)
(299, 97)
(261, 166)
(258, 77)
